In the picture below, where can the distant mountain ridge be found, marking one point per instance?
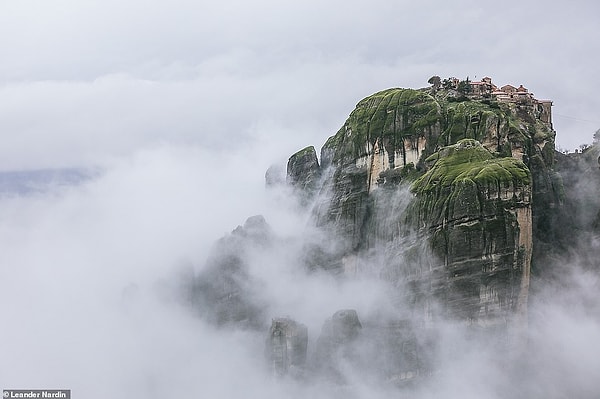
(27, 182)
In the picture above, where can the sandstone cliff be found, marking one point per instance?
(459, 205)
(480, 170)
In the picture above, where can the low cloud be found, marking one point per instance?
(181, 108)
(93, 275)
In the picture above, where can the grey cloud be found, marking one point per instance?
(89, 273)
(99, 79)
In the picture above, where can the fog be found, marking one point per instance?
(172, 112)
(69, 254)
(81, 82)
(91, 275)
(92, 290)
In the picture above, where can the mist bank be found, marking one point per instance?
(458, 207)
(104, 282)
(94, 275)
(385, 336)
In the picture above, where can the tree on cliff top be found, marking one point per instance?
(435, 81)
(464, 86)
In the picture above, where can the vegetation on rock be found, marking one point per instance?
(392, 114)
(468, 162)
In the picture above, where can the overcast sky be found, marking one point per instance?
(86, 81)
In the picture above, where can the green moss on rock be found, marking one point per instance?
(466, 181)
(467, 120)
(469, 161)
(307, 151)
(391, 115)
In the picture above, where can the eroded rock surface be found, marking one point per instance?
(453, 203)
(477, 210)
(224, 292)
(337, 343)
(303, 170)
(481, 182)
(286, 347)
(382, 349)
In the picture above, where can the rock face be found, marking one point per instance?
(224, 293)
(480, 175)
(477, 210)
(457, 205)
(385, 133)
(275, 176)
(338, 345)
(303, 170)
(386, 350)
(571, 230)
(337, 336)
(286, 347)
